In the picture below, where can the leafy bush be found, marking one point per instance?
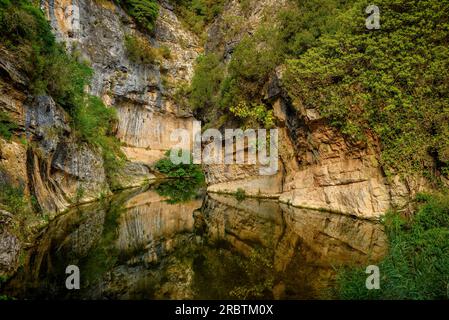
(144, 12)
(189, 179)
(179, 190)
(6, 126)
(93, 121)
(240, 194)
(256, 113)
(417, 264)
(198, 13)
(139, 50)
(25, 32)
(165, 52)
(206, 82)
(13, 198)
(167, 167)
(302, 23)
(253, 61)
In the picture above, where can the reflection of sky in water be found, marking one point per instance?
(139, 246)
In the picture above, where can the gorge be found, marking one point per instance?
(83, 190)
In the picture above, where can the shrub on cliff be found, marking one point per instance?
(144, 12)
(198, 13)
(189, 179)
(209, 73)
(139, 50)
(6, 126)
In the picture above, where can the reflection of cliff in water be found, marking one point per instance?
(138, 246)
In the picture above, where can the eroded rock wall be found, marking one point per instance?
(319, 168)
(142, 94)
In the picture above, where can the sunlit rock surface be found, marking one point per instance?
(141, 94)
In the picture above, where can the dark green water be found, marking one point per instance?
(138, 246)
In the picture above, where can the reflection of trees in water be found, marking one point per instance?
(222, 273)
(179, 190)
(230, 249)
(83, 237)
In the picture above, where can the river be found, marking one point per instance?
(138, 245)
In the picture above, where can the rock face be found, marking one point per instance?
(318, 167)
(61, 170)
(9, 245)
(142, 94)
(332, 173)
(50, 164)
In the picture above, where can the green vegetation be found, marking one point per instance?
(25, 32)
(417, 265)
(391, 82)
(13, 198)
(197, 14)
(254, 113)
(167, 167)
(209, 73)
(6, 126)
(165, 52)
(179, 190)
(240, 194)
(144, 12)
(254, 60)
(189, 178)
(139, 50)
(93, 122)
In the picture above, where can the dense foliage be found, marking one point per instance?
(208, 75)
(417, 264)
(144, 12)
(289, 33)
(393, 82)
(198, 13)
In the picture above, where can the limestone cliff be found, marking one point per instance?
(319, 167)
(141, 93)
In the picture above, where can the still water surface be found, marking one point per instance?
(139, 246)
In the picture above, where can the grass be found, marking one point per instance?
(417, 264)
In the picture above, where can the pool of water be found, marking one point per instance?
(137, 245)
